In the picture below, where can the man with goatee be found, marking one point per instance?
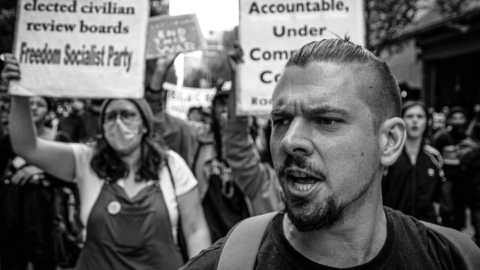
(336, 127)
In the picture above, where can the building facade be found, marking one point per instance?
(442, 58)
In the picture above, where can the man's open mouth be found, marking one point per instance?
(301, 180)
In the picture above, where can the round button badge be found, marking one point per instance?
(114, 207)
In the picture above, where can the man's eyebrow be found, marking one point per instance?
(279, 112)
(324, 109)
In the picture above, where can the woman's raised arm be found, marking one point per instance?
(55, 158)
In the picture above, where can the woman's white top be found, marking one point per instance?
(90, 185)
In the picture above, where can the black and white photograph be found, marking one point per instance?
(239, 134)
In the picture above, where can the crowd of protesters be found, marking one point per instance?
(178, 186)
(437, 176)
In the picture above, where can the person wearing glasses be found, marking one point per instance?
(138, 199)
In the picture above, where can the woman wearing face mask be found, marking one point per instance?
(412, 184)
(133, 192)
(26, 222)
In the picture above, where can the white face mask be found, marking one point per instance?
(123, 138)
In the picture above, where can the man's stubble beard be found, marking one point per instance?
(307, 215)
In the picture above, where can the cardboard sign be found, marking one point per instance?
(81, 48)
(271, 30)
(181, 99)
(173, 34)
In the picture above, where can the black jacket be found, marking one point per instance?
(412, 189)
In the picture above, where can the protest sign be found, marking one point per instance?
(81, 48)
(181, 99)
(271, 30)
(173, 34)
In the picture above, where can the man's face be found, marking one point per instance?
(324, 147)
(458, 119)
(39, 108)
(195, 115)
(439, 121)
(155, 100)
(415, 121)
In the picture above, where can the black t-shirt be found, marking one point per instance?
(224, 204)
(6, 153)
(409, 245)
(412, 189)
(26, 212)
(73, 126)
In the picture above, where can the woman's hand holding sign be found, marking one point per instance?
(11, 69)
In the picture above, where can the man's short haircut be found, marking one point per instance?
(383, 97)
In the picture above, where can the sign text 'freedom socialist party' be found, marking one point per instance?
(81, 48)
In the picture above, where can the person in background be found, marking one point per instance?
(475, 119)
(446, 111)
(83, 123)
(26, 217)
(4, 112)
(73, 124)
(224, 202)
(453, 214)
(173, 131)
(439, 124)
(413, 183)
(196, 114)
(91, 118)
(137, 198)
(470, 172)
(258, 179)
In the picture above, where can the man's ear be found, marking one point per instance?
(391, 138)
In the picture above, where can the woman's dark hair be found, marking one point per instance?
(107, 164)
(409, 104)
(49, 102)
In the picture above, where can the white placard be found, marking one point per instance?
(181, 99)
(81, 48)
(271, 30)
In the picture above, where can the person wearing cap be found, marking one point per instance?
(413, 183)
(447, 143)
(138, 199)
(26, 193)
(196, 114)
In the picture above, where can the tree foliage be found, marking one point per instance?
(387, 19)
(453, 7)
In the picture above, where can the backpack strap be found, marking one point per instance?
(241, 246)
(181, 241)
(465, 246)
